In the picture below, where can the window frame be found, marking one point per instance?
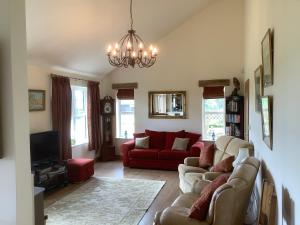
(118, 118)
(204, 113)
(75, 115)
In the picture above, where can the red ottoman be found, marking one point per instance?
(80, 170)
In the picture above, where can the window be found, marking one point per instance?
(125, 118)
(79, 122)
(213, 118)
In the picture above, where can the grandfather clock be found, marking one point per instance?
(107, 111)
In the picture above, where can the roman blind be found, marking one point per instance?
(125, 94)
(213, 92)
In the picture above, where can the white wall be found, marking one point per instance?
(16, 189)
(282, 163)
(209, 45)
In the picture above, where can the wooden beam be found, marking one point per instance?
(124, 86)
(211, 83)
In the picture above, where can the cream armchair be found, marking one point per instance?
(228, 205)
(190, 174)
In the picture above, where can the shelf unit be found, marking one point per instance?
(235, 116)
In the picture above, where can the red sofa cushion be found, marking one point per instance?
(200, 208)
(157, 139)
(144, 154)
(139, 135)
(194, 137)
(172, 155)
(170, 137)
(207, 156)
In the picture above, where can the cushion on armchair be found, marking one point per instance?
(206, 158)
(200, 208)
(224, 166)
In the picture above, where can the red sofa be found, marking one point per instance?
(160, 155)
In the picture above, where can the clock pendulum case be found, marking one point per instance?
(107, 105)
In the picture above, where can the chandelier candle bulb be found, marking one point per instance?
(109, 48)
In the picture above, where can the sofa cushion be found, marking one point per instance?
(172, 155)
(224, 166)
(142, 142)
(144, 153)
(191, 177)
(194, 137)
(139, 135)
(180, 144)
(200, 208)
(157, 139)
(207, 156)
(170, 137)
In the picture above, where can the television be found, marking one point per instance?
(44, 147)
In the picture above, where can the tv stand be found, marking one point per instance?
(50, 174)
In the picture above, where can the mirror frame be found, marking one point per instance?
(159, 116)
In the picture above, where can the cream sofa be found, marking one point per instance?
(191, 175)
(228, 205)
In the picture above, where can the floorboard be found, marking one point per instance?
(115, 169)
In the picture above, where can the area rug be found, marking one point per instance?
(105, 201)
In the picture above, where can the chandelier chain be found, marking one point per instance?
(131, 17)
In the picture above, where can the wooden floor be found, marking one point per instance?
(115, 169)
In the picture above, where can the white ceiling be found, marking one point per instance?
(74, 34)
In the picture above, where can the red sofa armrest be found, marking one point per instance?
(196, 148)
(125, 148)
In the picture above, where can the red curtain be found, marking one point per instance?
(61, 114)
(213, 92)
(125, 94)
(94, 116)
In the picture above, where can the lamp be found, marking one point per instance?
(131, 50)
(243, 153)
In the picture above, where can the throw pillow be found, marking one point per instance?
(170, 137)
(207, 156)
(224, 166)
(180, 144)
(157, 139)
(142, 142)
(139, 135)
(200, 207)
(193, 138)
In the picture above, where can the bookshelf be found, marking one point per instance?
(235, 116)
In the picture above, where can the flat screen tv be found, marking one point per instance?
(44, 147)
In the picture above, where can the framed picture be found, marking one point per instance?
(267, 58)
(258, 78)
(267, 120)
(36, 100)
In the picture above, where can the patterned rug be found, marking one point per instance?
(105, 201)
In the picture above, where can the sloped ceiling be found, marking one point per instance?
(74, 34)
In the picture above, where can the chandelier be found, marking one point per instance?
(130, 50)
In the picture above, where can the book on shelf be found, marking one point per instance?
(233, 106)
(233, 118)
(232, 130)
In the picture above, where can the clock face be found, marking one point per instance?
(107, 107)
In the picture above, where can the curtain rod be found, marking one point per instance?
(73, 78)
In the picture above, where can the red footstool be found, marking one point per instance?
(80, 170)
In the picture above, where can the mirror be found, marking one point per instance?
(167, 104)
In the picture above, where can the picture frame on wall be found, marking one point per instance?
(267, 120)
(37, 100)
(267, 58)
(259, 87)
